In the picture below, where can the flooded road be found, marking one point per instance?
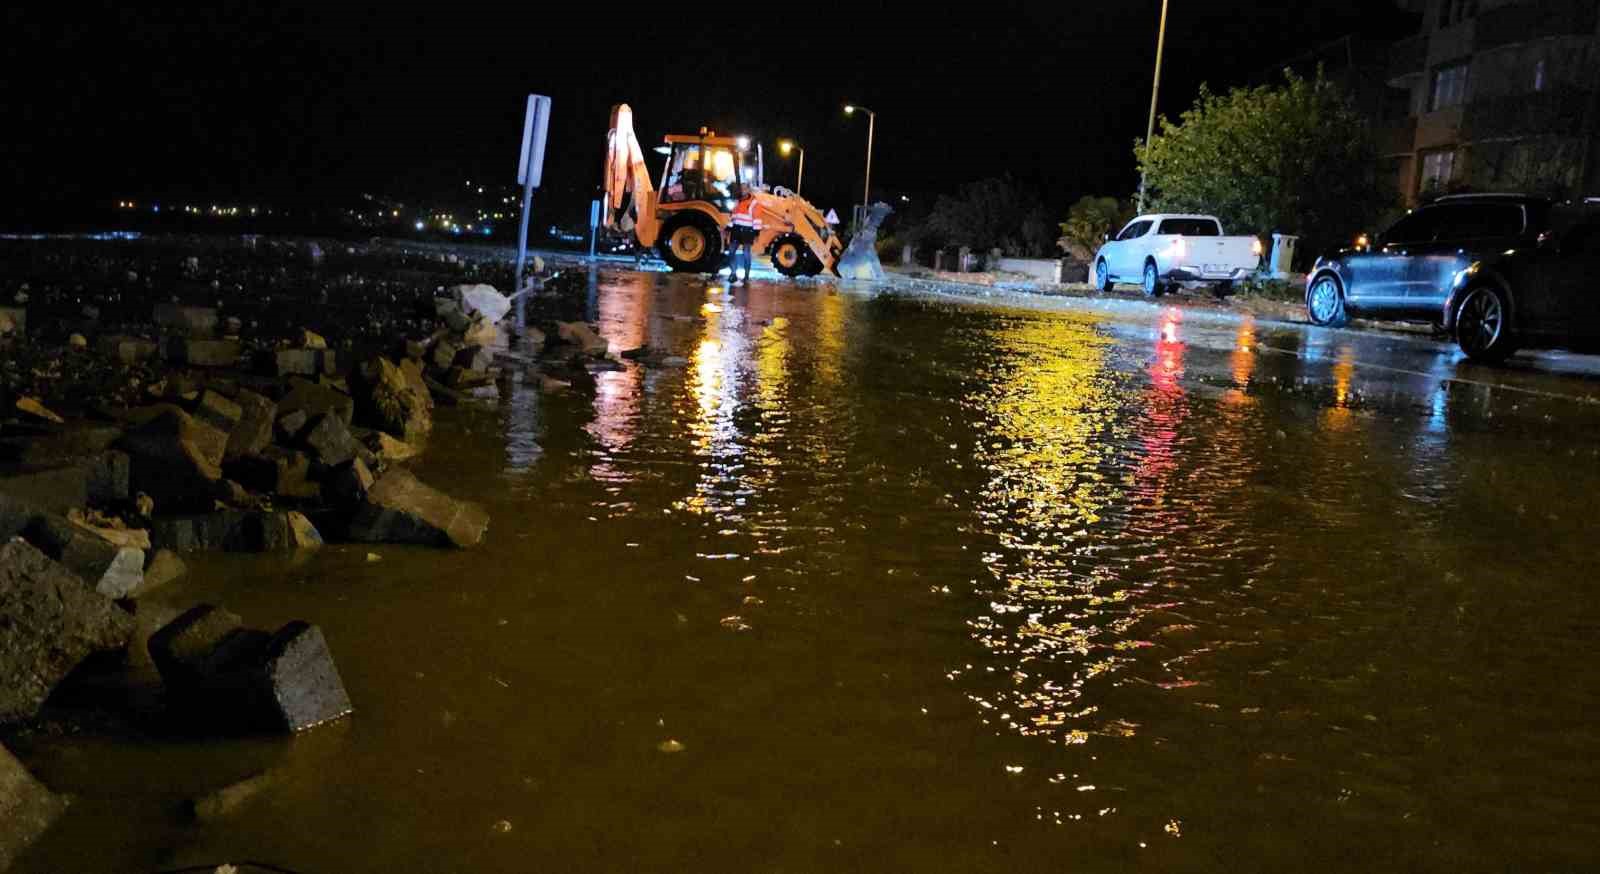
(878, 583)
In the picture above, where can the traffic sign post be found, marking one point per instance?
(530, 170)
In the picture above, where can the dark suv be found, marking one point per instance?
(1409, 270)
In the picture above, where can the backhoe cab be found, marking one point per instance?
(699, 185)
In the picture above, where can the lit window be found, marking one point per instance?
(1437, 169)
(1449, 87)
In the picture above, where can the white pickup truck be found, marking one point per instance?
(1158, 251)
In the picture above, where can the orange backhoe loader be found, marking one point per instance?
(686, 218)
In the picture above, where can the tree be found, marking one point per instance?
(991, 213)
(1295, 158)
(1088, 221)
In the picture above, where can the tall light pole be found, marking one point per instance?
(1155, 89)
(872, 120)
(787, 146)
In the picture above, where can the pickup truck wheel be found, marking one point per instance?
(1152, 280)
(1102, 275)
(1483, 325)
(1325, 303)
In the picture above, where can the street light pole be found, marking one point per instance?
(787, 146)
(872, 120)
(1155, 89)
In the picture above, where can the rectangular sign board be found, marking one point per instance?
(535, 124)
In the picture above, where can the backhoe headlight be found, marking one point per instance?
(1255, 247)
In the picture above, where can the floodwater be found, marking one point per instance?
(877, 583)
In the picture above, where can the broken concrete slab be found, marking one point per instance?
(445, 352)
(181, 649)
(202, 353)
(31, 408)
(390, 399)
(217, 411)
(277, 471)
(390, 450)
(109, 569)
(313, 399)
(328, 440)
(246, 678)
(128, 350)
(291, 424)
(306, 362)
(474, 358)
(175, 458)
(253, 431)
(299, 680)
(464, 379)
(481, 299)
(229, 799)
(53, 622)
(402, 509)
(349, 484)
(584, 337)
(175, 320)
(235, 531)
(27, 809)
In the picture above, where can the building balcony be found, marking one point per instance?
(1515, 23)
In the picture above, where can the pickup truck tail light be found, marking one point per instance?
(1179, 248)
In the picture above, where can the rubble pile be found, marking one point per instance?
(148, 412)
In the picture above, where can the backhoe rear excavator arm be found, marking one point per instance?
(630, 198)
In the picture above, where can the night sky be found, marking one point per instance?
(301, 103)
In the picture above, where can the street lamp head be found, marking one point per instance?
(744, 143)
(848, 109)
(785, 146)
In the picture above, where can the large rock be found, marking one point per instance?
(275, 471)
(235, 531)
(203, 353)
(217, 411)
(349, 484)
(313, 400)
(186, 321)
(27, 809)
(112, 570)
(176, 459)
(307, 362)
(401, 509)
(584, 337)
(481, 299)
(243, 678)
(253, 432)
(50, 620)
(328, 440)
(128, 350)
(390, 450)
(391, 400)
(162, 567)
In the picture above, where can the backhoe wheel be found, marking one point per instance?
(690, 244)
(790, 255)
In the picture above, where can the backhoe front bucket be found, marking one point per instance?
(860, 258)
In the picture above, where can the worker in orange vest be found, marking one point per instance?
(742, 233)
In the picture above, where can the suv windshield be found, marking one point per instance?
(1189, 227)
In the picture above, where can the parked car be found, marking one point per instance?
(1158, 251)
(1407, 272)
(1544, 294)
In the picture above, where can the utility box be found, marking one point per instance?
(1280, 261)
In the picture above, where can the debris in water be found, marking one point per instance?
(670, 746)
(735, 623)
(373, 556)
(503, 826)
